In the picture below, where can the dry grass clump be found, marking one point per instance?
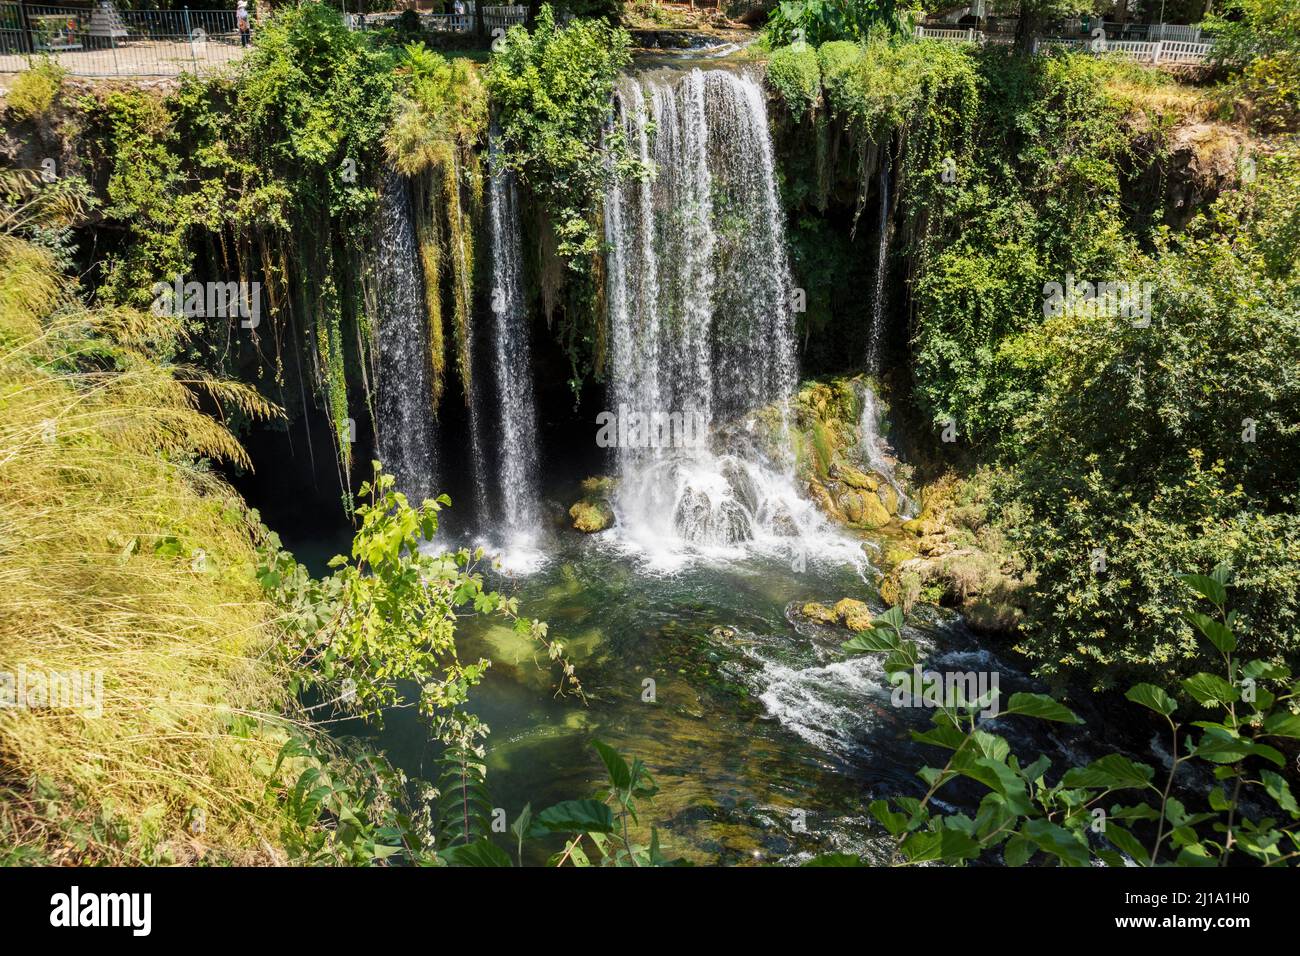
(121, 554)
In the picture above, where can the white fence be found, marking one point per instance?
(494, 18)
(1145, 51)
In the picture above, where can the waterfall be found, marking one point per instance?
(520, 510)
(477, 458)
(404, 403)
(876, 332)
(876, 450)
(701, 327)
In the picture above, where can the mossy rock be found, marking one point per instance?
(855, 615)
(896, 554)
(922, 526)
(591, 515)
(901, 588)
(854, 477)
(598, 486)
(820, 613)
(888, 497)
(874, 513)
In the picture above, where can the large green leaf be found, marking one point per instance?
(947, 845)
(619, 774)
(895, 823)
(1018, 850)
(1206, 586)
(1216, 632)
(1149, 695)
(1113, 771)
(1057, 841)
(1042, 707)
(1282, 725)
(1280, 791)
(1126, 842)
(1219, 746)
(871, 641)
(575, 816)
(480, 853)
(1211, 690)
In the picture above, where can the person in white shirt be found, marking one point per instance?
(242, 21)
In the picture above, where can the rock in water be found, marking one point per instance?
(591, 516)
(820, 613)
(856, 615)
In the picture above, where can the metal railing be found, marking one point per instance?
(494, 17)
(100, 40)
(1146, 51)
(97, 39)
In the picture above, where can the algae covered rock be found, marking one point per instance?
(922, 526)
(855, 615)
(820, 613)
(591, 515)
(888, 497)
(593, 512)
(854, 477)
(873, 514)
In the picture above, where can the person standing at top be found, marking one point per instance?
(458, 8)
(242, 21)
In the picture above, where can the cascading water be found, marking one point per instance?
(477, 458)
(875, 449)
(701, 325)
(877, 452)
(404, 403)
(876, 332)
(520, 510)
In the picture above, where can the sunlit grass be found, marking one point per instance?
(120, 553)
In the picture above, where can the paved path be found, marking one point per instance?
(139, 58)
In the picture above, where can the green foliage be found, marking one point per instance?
(1259, 41)
(552, 93)
(388, 613)
(33, 92)
(885, 85)
(387, 616)
(596, 829)
(1115, 810)
(442, 106)
(349, 807)
(551, 90)
(1036, 199)
(911, 105)
(1164, 444)
(821, 21)
(794, 73)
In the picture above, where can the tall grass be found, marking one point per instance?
(121, 553)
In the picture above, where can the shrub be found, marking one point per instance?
(794, 72)
(34, 91)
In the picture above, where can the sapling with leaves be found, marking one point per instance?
(387, 615)
(1078, 819)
